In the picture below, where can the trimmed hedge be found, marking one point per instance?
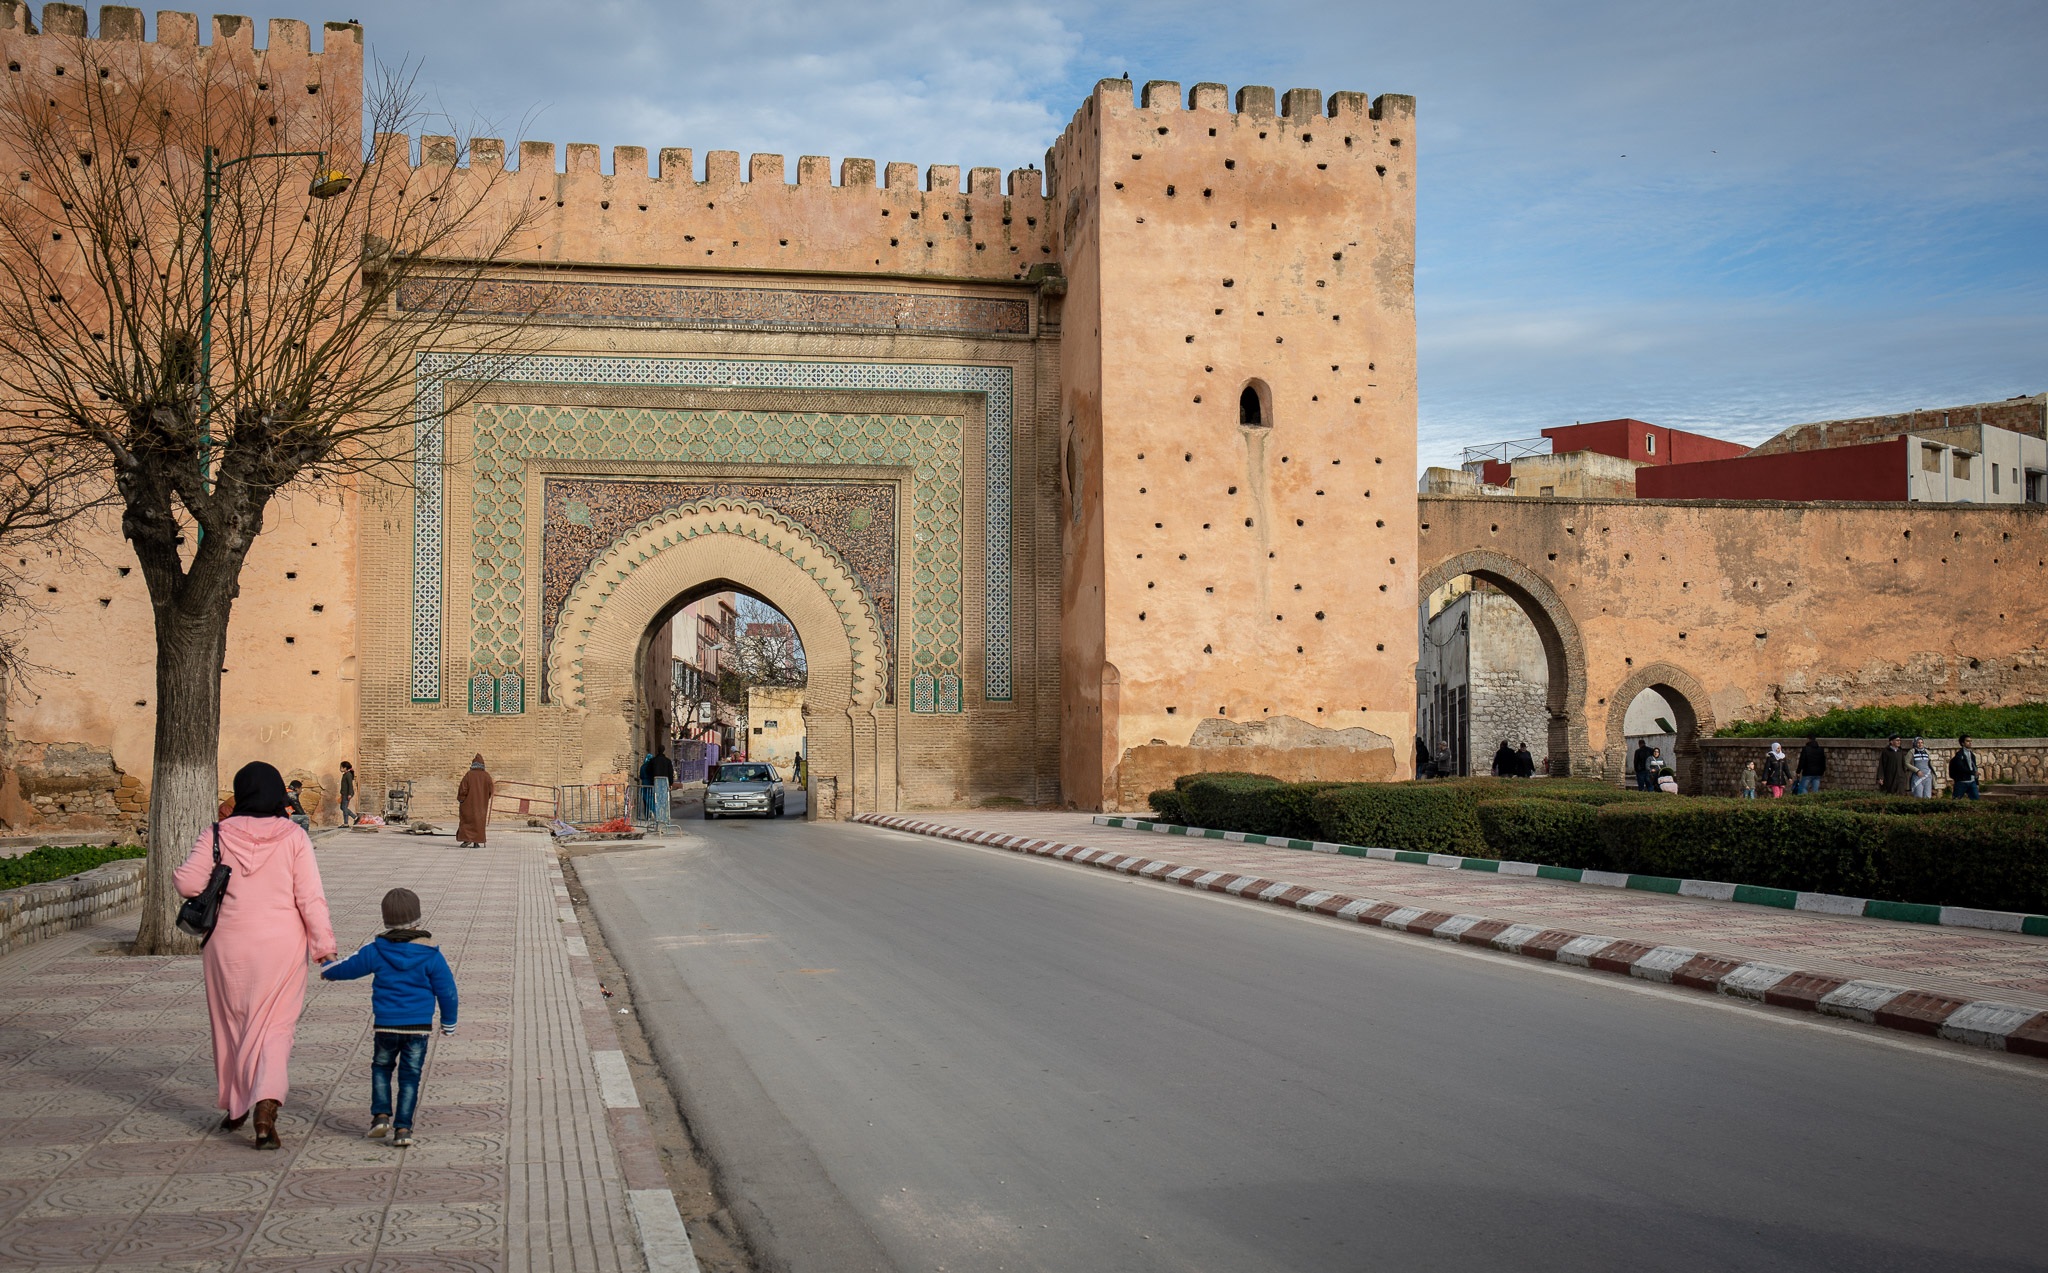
(54, 862)
(2000, 863)
(1170, 805)
(1991, 854)
(1224, 801)
(1926, 720)
(1548, 832)
(1425, 817)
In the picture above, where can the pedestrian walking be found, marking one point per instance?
(1813, 764)
(1962, 771)
(473, 799)
(1749, 781)
(349, 816)
(1667, 781)
(647, 787)
(295, 807)
(662, 771)
(1777, 773)
(1504, 760)
(1643, 758)
(408, 979)
(1894, 776)
(272, 918)
(1923, 770)
(1525, 764)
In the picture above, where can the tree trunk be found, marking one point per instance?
(185, 781)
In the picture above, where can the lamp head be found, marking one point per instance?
(326, 185)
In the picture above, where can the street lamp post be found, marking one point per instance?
(325, 185)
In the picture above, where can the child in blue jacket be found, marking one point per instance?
(410, 980)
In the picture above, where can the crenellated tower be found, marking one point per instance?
(1238, 419)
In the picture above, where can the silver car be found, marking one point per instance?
(744, 787)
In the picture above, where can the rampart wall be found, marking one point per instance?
(1742, 609)
(754, 218)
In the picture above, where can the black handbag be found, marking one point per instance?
(199, 914)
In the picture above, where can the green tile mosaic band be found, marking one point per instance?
(995, 384)
(1713, 890)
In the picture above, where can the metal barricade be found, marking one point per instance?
(642, 805)
(587, 806)
(524, 800)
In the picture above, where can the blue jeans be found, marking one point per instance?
(660, 800)
(1805, 783)
(406, 1053)
(1749, 793)
(1963, 789)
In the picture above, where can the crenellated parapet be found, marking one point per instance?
(875, 219)
(313, 93)
(1348, 128)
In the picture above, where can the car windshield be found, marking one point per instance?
(745, 773)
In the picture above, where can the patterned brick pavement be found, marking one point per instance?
(1970, 963)
(109, 1157)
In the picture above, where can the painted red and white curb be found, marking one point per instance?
(1979, 1022)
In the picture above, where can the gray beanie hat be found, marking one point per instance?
(401, 907)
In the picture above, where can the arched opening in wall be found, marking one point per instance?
(721, 683)
(1650, 732)
(1661, 708)
(1486, 701)
(1255, 405)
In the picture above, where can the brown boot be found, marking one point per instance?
(266, 1124)
(233, 1122)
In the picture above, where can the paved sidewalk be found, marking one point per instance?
(109, 1157)
(1968, 963)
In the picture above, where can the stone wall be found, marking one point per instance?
(69, 785)
(1852, 762)
(1508, 680)
(35, 911)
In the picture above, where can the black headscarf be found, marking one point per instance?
(259, 791)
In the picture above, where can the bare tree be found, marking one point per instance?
(204, 330)
(766, 650)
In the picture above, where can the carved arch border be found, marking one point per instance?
(1695, 719)
(1564, 648)
(645, 544)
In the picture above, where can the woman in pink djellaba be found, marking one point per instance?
(273, 917)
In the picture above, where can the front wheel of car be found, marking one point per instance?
(708, 815)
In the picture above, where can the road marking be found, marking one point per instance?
(663, 1239)
(614, 1080)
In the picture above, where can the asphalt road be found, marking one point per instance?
(910, 1054)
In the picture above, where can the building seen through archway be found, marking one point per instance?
(722, 678)
(1482, 679)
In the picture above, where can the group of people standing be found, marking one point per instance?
(1911, 773)
(1900, 772)
(1777, 774)
(1513, 762)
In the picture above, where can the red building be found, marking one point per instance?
(1626, 439)
(1642, 442)
(1873, 471)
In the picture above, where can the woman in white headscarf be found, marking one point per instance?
(1777, 771)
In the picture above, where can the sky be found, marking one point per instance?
(1729, 217)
